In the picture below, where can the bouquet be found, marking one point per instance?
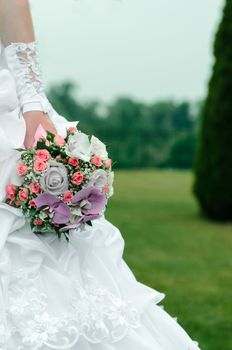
(64, 182)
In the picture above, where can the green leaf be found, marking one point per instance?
(42, 145)
(66, 235)
(33, 211)
(50, 136)
(20, 149)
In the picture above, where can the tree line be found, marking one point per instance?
(138, 135)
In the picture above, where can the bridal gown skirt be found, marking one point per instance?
(79, 295)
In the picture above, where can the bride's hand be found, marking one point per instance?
(33, 120)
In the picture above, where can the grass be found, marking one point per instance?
(171, 248)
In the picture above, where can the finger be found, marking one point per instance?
(52, 130)
(50, 127)
(28, 143)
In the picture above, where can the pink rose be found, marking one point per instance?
(23, 194)
(67, 197)
(42, 155)
(73, 161)
(72, 129)
(22, 169)
(32, 203)
(108, 163)
(10, 191)
(77, 178)
(59, 140)
(95, 160)
(40, 166)
(17, 204)
(38, 222)
(35, 188)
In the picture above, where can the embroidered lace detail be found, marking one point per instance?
(92, 312)
(101, 314)
(23, 61)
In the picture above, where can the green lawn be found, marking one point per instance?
(170, 247)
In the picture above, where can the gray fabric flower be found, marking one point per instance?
(98, 179)
(55, 179)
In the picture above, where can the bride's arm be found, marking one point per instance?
(17, 35)
(16, 22)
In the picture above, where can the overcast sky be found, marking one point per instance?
(148, 49)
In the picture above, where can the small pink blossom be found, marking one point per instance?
(10, 191)
(23, 195)
(22, 169)
(35, 187)
(38, 222)
(17, 204)
(59, 140)
(32, 203)
(72, 129)
(77, 178)
(40, 166)
(73, 161)
(97, 161)
(42, 155)
(108, 163)
(67, 197)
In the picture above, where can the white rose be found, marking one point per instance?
(98, 148)
(98, 179)
(78, 146)
(110, 183)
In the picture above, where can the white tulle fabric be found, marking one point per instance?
(79, 295)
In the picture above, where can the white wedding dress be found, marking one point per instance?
(79, 295)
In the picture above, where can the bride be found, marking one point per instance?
(79, 295)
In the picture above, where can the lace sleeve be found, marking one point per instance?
(23, 62)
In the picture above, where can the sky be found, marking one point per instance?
(145, 49)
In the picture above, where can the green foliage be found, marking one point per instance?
(137, 134)
(213, 185)
(182, 151)
(64, 98)
(172, 249)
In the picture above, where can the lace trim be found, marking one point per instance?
(94, 313)
(23, 61)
